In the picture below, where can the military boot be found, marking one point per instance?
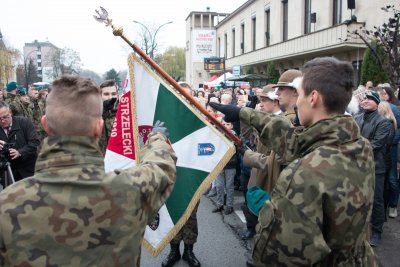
(174, 256)
(189, 256)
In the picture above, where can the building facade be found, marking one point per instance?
(7, 64)
(42, 55)
(289, 33)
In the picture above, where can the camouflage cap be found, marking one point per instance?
(266, 89)
(287, 78)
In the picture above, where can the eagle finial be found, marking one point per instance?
(102, 16)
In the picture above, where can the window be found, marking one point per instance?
(225, 46)
(253, 33)
(307, 16)
(337, 12)
(285, 20)
(242, 39)
(267, 26)
(233, 42)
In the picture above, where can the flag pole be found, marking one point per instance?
(118, 31)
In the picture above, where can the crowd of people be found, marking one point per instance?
(375, 110)
(317, 165)
(21, 111)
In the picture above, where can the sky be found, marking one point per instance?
(70, 24)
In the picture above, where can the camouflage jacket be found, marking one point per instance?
(71, 213)
(108, 117)
(37, 113)
(321, 205)
(15, 104)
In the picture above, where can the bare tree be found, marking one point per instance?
(386, 37)
(148, 38)
(64, 61)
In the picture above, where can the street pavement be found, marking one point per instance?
(217, 243)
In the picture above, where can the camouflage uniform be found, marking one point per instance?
(189, 231)
(15, 104)
(27, 111)
(108, 117)
(37, 113)
(321, 205)
(73, 214)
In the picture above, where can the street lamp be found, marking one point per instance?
(152, 37)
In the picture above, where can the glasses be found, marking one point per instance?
(6, 117)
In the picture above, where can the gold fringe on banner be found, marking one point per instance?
(154, 251)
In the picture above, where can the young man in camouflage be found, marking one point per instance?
(109, 95)
(71, 213)
(319, 211)
(37, 111)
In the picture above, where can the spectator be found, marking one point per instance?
(19, 133)
(369, 86)
(225, 181)
(376, 129)
(386, 93)
(385, 110)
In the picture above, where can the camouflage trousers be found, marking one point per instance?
(189, 231)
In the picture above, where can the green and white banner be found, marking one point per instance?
(201, 149)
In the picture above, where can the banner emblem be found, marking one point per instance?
(205, 149)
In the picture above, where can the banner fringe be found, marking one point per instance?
(154, 251)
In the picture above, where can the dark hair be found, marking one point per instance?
(201, 92)
(107, 83)
(392, 98)
(73, 97)
(333, 79)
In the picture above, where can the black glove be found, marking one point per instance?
(109, 103)
(231, 111)
(253, 101)
(160, 128)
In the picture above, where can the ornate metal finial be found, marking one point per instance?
(103, 17)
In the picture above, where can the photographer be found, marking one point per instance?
(18, 144)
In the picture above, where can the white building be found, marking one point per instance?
(42, 55)
(287, 32)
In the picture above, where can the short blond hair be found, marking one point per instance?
(73, 105)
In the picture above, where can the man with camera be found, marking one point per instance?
(18, 144)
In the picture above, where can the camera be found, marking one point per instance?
(253, 101)
(5, 153)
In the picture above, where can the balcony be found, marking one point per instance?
(323, 42)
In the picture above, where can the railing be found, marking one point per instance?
(322, 40)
